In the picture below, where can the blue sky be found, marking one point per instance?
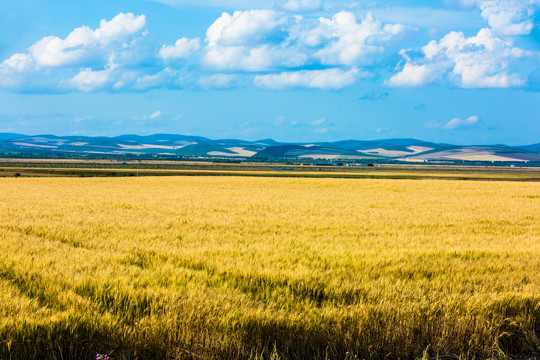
(459, 71)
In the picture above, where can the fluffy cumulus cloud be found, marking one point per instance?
(94, 56)
(507, 17)
(342, 40)
(248, 41)
(84, 44)
(274, 48)
(244, 27)
(460, 123)
(15, 70)
(295, 43)
(264, 57)
(89, 80)
(182, 49)
(19, 63)
(329, 79)
(480, 61)
(288, 46)
(417, 75)
(268, 40)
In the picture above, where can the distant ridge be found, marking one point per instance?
(10, 136)
(532, 147)
(189, 146)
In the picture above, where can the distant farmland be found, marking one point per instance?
(213, 267)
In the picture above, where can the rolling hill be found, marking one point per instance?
(185, 146)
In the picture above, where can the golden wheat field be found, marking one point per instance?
(260, 268)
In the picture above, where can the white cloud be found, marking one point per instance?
(318, 122)
(344, 41)
(118, 56)
(86, 60)
(182, 49)
(329, 79)
(84, 43)
(88, 80)
(457, 123)
(246, 41)
(165, 77)
(264, 40)
(507, 17)
(243, 27)
(14, 71)
(260, 58)
(19, 63)
(415, 75)
(115, 78)
(217, 81)
(155, 115)
(302, 5)
(481, 61)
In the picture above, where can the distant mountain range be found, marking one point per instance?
(410, 150)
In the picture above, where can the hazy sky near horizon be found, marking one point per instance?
(459, 71)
